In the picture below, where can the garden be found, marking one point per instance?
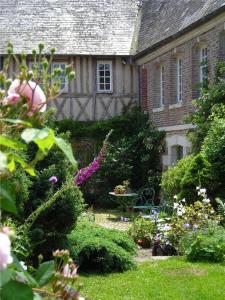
(86, 210)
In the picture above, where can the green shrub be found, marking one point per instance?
(205, 245)
(197, 173)
(60, 218)
(99, 249)
(182, 179)
(171, 179)
(214, 150)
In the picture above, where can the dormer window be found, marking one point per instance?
(104, 77)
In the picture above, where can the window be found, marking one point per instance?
(203, 64)
(162, 85)
(176, 153)
(1, 63)
(179, 80)
(104, 77)
(63, 79)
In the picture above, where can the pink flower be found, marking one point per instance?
(53, 179)
(5, 251)
(31, 91)
(70, 271)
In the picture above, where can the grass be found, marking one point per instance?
(172, 279)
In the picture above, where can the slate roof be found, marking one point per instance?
(92, 27)
(99, 27)
(162, 19)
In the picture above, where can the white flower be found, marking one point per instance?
(175, 196)
(166, 228)
(81, 298)
(197, 188)
(22, 263)
(175, 205)
(205, 200)
(202, 191)
(181, 211)
(5, 251)
(183, 200)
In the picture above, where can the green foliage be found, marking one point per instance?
(99, 249)
(209, 105)
(142, 232)
(197, 173)
(214, 151)
(182, 179)
(134, 153)
(171, 179)
(205, 245)
(49, 230)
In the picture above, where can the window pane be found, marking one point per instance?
(107, 87)
(107, 79)
(101, 73)
(107, 67)
(101, 79)
(102, 87)
(107, 73)
(101, 67)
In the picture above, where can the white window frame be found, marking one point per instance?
(57, 64)
(203, 63)
(162, 85)
(100, 90)
(179, 79)
(65, 89)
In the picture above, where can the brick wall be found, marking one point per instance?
(170, 114)
(143, 88)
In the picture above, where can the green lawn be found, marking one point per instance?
(173, 279)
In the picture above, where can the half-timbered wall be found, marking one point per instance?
(83, 102)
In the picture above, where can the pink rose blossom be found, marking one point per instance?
(5, 251)
(29, 90)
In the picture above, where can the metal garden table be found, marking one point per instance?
(124, 200)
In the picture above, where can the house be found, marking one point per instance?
(95, 36)
(179, 43)
(125, 52)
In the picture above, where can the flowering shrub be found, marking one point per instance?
(186, 218)
(84, 173)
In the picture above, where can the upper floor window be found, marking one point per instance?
(203, 64)
(104, 76)
(162, 85)
(179, 80)
(62, 78)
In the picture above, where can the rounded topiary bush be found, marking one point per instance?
(98, 249)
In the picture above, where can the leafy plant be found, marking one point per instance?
(99, 249)
(143, 231)
(205, 245)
